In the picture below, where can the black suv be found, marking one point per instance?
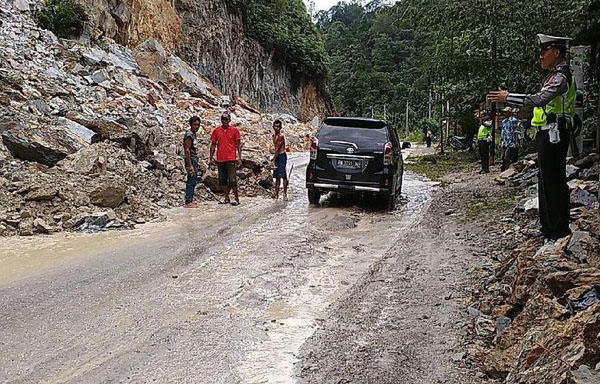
(355, 155)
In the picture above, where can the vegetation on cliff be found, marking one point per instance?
(65, 18)
(286, 27)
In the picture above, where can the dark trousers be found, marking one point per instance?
(484, 154)
(509, 156)
(553, 192)
(428, 140)
(190, 184)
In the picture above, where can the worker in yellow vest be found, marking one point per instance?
(554, 110)
(483, 142)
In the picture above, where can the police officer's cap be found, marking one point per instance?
(546, 41)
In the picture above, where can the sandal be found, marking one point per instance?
(223, 202)
(235, 203)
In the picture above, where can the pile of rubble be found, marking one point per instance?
(537, 317)
(91, 133)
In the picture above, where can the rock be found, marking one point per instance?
(591, 173)
(562, 281)
(46, 146)
(22, 5)
(13, 222)
(502, 323)
(4, 99)
(26, 228)
(211, 180)
(457, 357)
(532, 204)
(265, 179)
(77, 129)
(40, 226)
(39, 106)
(510, 172)
(581, 197)
(45, 193)
(474, 312)
(25, 214)
(108, 195)
(587, 161)
(100, 76)
(571, 171)
(159, 65)
(580, 242)
(104, 128)
(583, 375)
(96, 220)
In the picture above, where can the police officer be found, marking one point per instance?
(554, 109)
(483, 140)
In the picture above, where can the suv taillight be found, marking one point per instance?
(388, 155)
(314, 146)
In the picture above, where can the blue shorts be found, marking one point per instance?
(281, 163)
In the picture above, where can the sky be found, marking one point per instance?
(324, 4)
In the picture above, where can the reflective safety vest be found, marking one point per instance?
(483, 133)
(560, 105)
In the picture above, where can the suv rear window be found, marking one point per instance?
(354, 131)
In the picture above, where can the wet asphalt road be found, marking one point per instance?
(214, 295)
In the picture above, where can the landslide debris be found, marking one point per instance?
(91, 134)
(536, 317)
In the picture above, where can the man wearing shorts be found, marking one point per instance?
(227, 142)
(279, 160)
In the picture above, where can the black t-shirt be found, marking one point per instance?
(193, 151)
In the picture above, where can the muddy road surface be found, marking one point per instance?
(218, 294)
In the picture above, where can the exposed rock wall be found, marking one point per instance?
(214, 42)
(130, 22)
(210, 37)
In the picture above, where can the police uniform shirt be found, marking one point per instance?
(556, 84)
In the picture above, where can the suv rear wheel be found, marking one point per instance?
(314, 196)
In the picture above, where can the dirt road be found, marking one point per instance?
(231, 295)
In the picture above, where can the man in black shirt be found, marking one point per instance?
(191, 161)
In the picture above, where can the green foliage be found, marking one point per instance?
(65, 18)
(483, 205)
(387, 55)
(286, 27)
(372, 74)
(435, 167)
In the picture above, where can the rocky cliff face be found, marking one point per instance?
(210, 36)
(213, 41)
(130, 22)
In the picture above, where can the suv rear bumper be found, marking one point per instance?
(348, 188)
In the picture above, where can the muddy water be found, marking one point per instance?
(215, 295)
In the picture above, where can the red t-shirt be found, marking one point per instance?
(226, 140)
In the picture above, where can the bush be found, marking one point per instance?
(65, 18)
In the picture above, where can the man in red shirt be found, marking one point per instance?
(227, 142)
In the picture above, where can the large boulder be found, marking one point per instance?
(159, 65)
(109, 194)
(47, 144)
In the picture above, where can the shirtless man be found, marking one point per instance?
(279, 160)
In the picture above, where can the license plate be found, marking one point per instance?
(350, 164)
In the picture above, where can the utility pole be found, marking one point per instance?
(493, 149)
(372, 112)
(430, 104)
(448, 120)
(384, 112)
(442, 130)
(407, 128)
